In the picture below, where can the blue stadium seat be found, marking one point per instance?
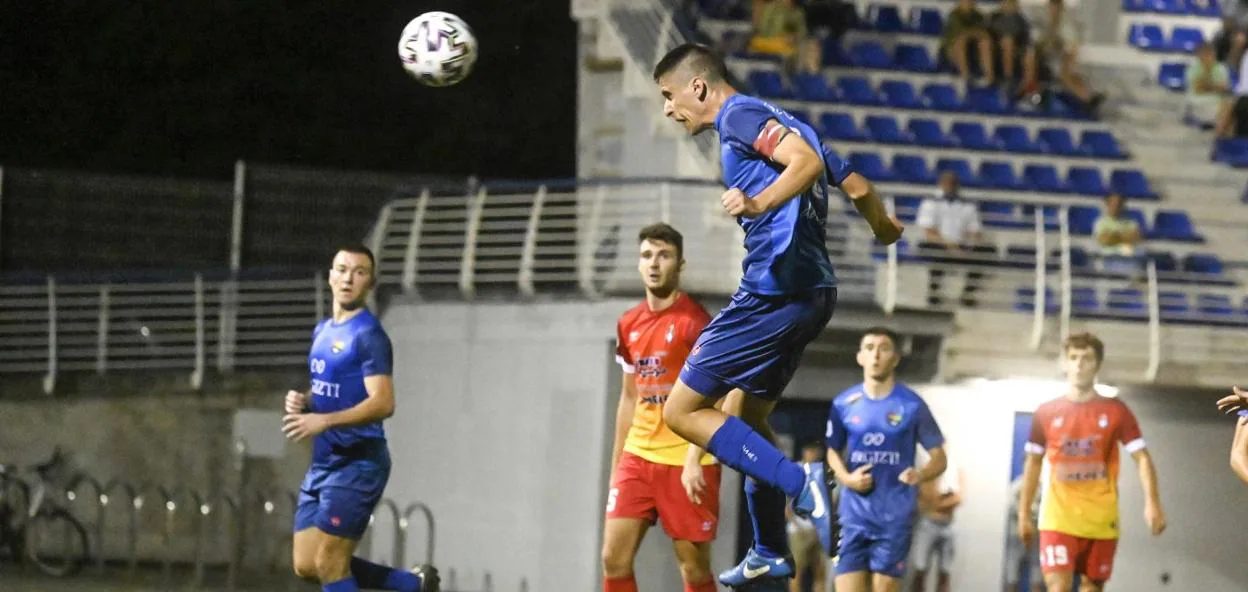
(871, 166)
(986, 100)
(884, 129)
(1025, 300)
(1020, 256)
(1204, 263)
(1001, 214)
(1135, 6)
(1078, 257)
(870, 54)
(1232, 151)
(1084, 301)
(913, 58)
(833, 53)
(962, 169)
(971, 135)
(768, 84)
(1186, 39)
(813, 87)
(1083, 219)
(899, 93)
(1131, 183)
(1014, 138)
(1100, 144)
(927, 132)
(942, 97)
(1218, 305)
(1168, 6)
(802, 115)
(841, 126)
(1172, 76)
(1176, 226)
(1203, 7)
(1057, 141)
(1126, 302)
(1000, 175)
(926, 21)
(1165, 261)
(1051, 213)
(907, 206)
(857, 90)
(1147, 37)
(1140, 221)
(1172, 305)
(913, 168)
(1043, 177)
(886, 18)
(1086, 180)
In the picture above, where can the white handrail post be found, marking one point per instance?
(226, 331)
(101, 338)
(528, 253)
(585, 254)
(49, 380)
(1063, 222)
(197, 375)
(1039, 301)
(375, 241)
(891, 268)
(236, 225)
(410, 256)
(1154, 324)
(467, 267)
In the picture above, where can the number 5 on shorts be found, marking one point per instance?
(611, 495)
(1055, 555)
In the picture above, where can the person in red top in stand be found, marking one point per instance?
(657, 475)
(1079, 434)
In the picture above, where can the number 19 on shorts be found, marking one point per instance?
(1054, 556)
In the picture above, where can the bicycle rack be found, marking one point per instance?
(405, 523)
(100, 497)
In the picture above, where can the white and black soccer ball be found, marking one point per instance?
(438, 49)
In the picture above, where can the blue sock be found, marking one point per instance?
(379, 577)
(347, 585)
(766, 507)
(741, 448)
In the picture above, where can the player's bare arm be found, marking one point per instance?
(802, 169)
(378, 406)
(623, 416)
(1239, 450)
(934, 468)
(1031, 482)
(1154, 515)
(859, 480)
(887, 229)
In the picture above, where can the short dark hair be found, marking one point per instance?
(1085, 340)
(1112, 194)
(702, 61)
(662, 231)
(885, 331)
(360, 249)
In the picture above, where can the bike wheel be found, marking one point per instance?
(56, 543)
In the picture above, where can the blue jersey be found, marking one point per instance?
(341, 356)
(786, 250)
(882, 433)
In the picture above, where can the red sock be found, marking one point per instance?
(625, 584)
(707, 586)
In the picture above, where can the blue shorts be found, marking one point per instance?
(881, 553)
(756, 343)
(339, 497)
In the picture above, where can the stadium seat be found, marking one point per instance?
(1172, 305)
(857, 90)
(942, 97)
(913, 58)
(971, 135)
(913, 168)
(813, 87)
(802, 115)
(899, 93)
(1014, 138)
(1025, 300)
(1135, 5)
(1131, 183)
(884, 129)
(1086, 180)
(986, 100)
(1203, 8)
(926, 21)
(1140, 221)
(1043, 177)
(962, 169)
(1100, 144)
(1001, 214)
(927, 132)
(1172, 76)
(1174, 225)
(1186, 39)
(1083, 219)
(1000, 175)
(870, 54)
(1126, 302)
(1164, 260)
(1168, 6)
(1232, 151)
(1217, 305)
(1057, 141)
(768, 84)
(1083, 300)
(1020, 256)
(907, 206)
(841, 126)
(1147, 37)
(871, 166)
(1051, 214)
(1204, 263)
(886, 18)
(833, 54)
(1078, 257)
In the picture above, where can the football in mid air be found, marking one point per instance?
(438, 49)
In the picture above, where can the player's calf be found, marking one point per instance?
(694, 560)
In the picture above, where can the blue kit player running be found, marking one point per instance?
(352, 392)
(871, 436)
(777, 177)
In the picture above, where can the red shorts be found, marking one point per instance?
(1091, 558)
(652, 491)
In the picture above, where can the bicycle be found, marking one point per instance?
(35, 528)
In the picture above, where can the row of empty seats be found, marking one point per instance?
(1149, 37)
(1208, 8)
(1132, 303)
(914, 168)
(968, 135)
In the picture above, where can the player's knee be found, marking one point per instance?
(331, 564)
(694, 571)
(305, 567)
(675, 418)
(616, 562)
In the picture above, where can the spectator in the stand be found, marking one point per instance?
(1208, 89)
(1056, 48)
(952, 234)
(830, 17)
(1012, 34)
(1229, 43)
(966, 35)
(1118, 236)
(780, 29)
(1234, 120)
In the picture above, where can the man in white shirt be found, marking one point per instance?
(951, 236)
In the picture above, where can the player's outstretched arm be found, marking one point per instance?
(1153, 513)
(862, 193)
(623, 416)
(1239, 450)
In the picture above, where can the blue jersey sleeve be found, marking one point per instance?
(742, 125)
(834, 434)
(929, 433)
(838, 169)
(376, 357)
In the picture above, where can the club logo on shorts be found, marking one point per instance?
(337, 346)
(335, 521)
(706, 526)
(894, 418)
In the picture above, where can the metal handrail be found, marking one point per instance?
(1037, 329)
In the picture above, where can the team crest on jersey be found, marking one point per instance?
(894, 418)
(1057, 422)
(1102, 421)
(634, 336)
(854, 420)
(337, 346)
(671, 331)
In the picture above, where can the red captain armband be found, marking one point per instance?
(770, 138)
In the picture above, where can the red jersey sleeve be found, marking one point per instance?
(1037, 440)
(1129, 433)
(622, 356)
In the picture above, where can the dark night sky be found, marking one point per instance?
(185, 87)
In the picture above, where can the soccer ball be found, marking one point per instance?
(438, 49)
